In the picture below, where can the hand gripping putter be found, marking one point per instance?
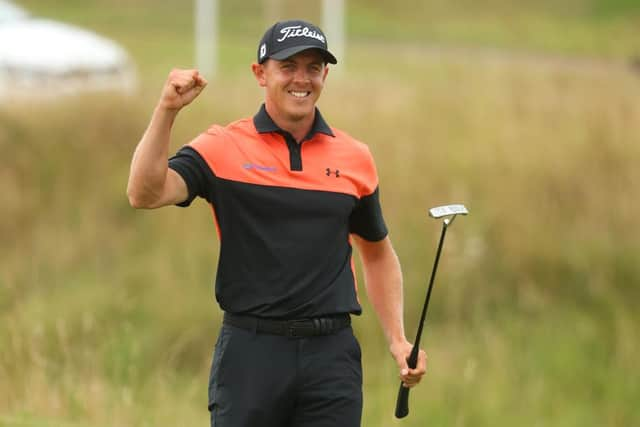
(449, 212)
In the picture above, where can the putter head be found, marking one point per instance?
(448, 210)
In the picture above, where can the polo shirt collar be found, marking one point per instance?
(264, 124)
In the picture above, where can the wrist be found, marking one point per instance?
(166, 109)
(398, 343)
(164, 116)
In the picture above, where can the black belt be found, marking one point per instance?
(297, 328)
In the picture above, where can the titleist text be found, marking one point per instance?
(298, 31)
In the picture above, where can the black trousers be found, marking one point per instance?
(262, 380)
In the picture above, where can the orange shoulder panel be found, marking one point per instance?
(337, 164)
(216, 145)
(362, 162)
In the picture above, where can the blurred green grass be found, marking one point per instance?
(108, 313)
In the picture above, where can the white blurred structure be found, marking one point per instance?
(45, 58)
(333, 27)
(206, 25)
(10, 12)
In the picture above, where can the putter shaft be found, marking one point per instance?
(449, 211)
(402, 403)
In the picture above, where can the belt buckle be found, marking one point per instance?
(297, 328)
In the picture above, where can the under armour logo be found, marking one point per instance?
(330, 172)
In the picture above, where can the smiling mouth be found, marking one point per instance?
(299, 94)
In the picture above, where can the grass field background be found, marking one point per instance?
(528, 114)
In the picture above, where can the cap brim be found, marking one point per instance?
(286, 53)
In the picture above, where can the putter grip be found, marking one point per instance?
(402, 403)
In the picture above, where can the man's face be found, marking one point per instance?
(292, 85)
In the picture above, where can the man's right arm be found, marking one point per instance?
(151, 183)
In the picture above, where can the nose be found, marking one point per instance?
(301, 75)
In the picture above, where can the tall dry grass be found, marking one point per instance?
(108, 316)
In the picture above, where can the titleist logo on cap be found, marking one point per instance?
(298, 31)
(287, 38)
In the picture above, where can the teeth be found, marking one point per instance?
(299, 94)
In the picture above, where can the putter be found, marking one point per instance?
(449, 212)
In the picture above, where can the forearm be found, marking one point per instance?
(383, 280)
(149, 165)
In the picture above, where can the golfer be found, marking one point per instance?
(289, 196)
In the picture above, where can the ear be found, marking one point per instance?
(259, 73)
(326, 72)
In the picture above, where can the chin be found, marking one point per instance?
(300, 113)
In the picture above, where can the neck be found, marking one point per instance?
(298, 128)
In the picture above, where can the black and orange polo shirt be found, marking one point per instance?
(284, 212)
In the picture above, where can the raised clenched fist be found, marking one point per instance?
(181, 87)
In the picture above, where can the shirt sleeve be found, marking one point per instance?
(366, 220)
(196, 173)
